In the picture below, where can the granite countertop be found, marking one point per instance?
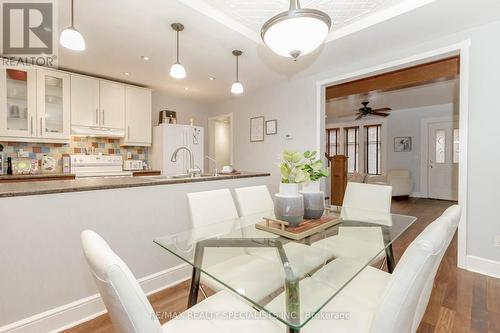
(104, 183)
(35, 176)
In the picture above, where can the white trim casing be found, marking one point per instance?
(462, 49)
(88, 308)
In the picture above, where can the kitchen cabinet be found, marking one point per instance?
(137, 117)
(53, 104)
(17, 103)
(35, 105)
(84, 101)
(112, 97)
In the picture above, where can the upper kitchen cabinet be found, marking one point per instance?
(112, 105)
(84, 101)
(53, 104)
(137, 117)
(17, 103)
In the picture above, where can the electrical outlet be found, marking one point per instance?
(497, 241)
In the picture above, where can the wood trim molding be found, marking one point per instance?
(443, 69)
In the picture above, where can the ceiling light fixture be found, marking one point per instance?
(237, 87)
(145, 58)
(297, 31)
(70, 37)
(211, 78)
(177, 71)
(126, 73)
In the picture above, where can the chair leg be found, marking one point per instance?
(203, 292)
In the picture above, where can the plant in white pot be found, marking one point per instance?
(314, 199)
(289, 203)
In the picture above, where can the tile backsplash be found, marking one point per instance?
(77, 145)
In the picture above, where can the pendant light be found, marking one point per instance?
(70, 37)
(177, 71)
(237, 87)
(297, 31)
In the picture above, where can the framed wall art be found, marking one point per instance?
(257, 129)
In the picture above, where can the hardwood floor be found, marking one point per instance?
(461, 301)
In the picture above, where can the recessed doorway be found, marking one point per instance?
(220, 142)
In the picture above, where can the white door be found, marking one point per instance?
(53, 104)
(17, 102)
(137, 116)
(443, 160)
(84, 101)
(112, 97)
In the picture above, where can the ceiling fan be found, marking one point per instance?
(366, 110)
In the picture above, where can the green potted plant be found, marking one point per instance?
(314, 199)
(289, 203)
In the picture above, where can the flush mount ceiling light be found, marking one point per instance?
(70, 37)
(297, 31)
(237, 87)
(177, 71)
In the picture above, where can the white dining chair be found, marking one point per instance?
(131, 312)
(377, 302)
(367, 203)
(235, 267)
(253, 200)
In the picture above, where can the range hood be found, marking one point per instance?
(98, 132)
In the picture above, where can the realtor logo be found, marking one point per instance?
(27, 28)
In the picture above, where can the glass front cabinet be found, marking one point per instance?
(34, 105)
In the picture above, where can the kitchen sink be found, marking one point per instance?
(182, 176)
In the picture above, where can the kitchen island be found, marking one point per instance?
(46, 280)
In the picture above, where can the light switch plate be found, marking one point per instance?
(288, 136)
(497, 241)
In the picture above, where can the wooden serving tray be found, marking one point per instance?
(305, 229)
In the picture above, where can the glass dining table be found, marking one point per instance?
(290, 280)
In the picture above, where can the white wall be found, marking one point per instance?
(404, 122)
(293, 103)
(186, 109)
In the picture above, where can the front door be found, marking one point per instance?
(443, 160)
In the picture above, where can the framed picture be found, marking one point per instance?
(402, 144)
(257, 129)
(271, 127)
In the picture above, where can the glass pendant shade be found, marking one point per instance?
(296, 32)
(72, 39)
(177, 71)
(237, 88)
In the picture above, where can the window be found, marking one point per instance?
(332, 142)
(372, 150)
(456, 145)
(440, 146)
(351, 135)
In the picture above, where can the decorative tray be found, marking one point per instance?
(303, 230)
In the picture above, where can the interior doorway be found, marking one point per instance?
(220, 141)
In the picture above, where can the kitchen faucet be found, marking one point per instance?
(192, 171)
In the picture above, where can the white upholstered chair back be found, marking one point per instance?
(452, 217)
(398, 173)
(253, 200)
(363, 202)
(397, 309)
(128, 307)
(211, 207)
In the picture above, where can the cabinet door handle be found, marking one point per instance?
(128, 132)
(97, 116)
(102, 117)
(31, 125)
(41, 125)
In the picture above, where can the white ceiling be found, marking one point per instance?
(119, 32)
(254, 13)
(426, 95)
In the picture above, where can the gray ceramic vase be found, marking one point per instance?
(314, 204)
(289, 208)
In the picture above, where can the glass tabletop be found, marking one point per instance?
(291, 280)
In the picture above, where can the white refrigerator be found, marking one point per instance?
(167, 138)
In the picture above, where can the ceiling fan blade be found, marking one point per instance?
(382, 109)
(360, 116)
(379, 114)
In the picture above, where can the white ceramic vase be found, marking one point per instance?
(289, 204)
(314, 200)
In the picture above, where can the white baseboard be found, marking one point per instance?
(417, 195)
(483, 266)
(82, 310)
